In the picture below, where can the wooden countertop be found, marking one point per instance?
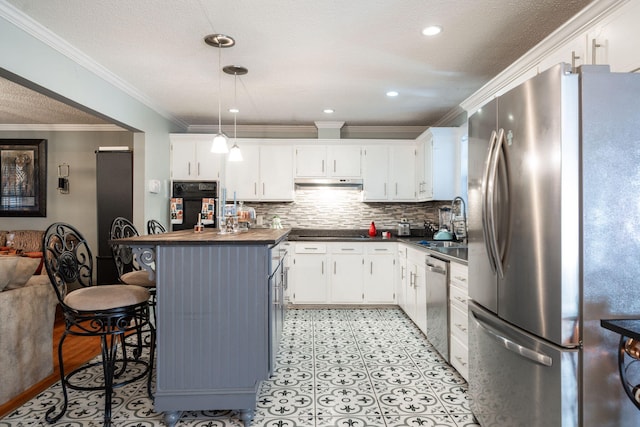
(256, 236)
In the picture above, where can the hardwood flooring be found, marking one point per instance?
(77, 351)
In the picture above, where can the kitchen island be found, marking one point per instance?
(213, 317)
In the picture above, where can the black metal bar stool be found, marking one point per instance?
(110, 312)
(155, 227)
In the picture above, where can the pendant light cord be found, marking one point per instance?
(219, 90)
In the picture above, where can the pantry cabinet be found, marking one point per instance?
(328, 161)
(458, 320)
(389, 173)
(264, 174)
(192, 159)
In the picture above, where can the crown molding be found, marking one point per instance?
(592, 14)
(61, 128)
(304, 132)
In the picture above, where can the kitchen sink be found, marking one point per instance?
(441, 244)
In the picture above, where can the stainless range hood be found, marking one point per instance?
(332, 183)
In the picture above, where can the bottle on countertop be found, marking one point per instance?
(372, 230)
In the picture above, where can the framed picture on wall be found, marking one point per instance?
(23, 177)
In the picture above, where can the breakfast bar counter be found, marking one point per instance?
(213, 316)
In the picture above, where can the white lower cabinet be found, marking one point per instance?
(458, 318)
(342, 273)
(346, 273)
(308, 274)
(379, 273)
(416, 290)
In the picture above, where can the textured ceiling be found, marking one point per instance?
(302, 55)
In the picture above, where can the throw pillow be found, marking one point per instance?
(25, 268)
(7, 268)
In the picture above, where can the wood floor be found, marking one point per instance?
(77, 351)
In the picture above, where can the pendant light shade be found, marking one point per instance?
(219, 144)
(220, 41)
(235, 155)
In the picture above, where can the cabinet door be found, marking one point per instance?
(243, 177)
(375, 175)
(344, 161)
(183, 165)
(402, 277)
(192, 159)
(379, 274)
(421, 296)
(208, 164)
(346, 278)
(424, 169)
(276, 173)
(311, 161)
(308, 276)
(402, 183)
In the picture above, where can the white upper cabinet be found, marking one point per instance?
(276, 173)
(327, 161)
(389, 172)
(264, 174)
(437, 164)
(192, 159)
(344, 161)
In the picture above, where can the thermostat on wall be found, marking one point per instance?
(154, 186)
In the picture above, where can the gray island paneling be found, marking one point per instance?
(213, 317)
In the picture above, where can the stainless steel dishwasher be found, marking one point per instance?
(437, 279)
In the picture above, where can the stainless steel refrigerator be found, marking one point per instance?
(554, 246)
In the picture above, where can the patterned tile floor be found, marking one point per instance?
(336, 367)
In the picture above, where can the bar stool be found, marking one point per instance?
(108, 311)
(129, 271)
(155, 227)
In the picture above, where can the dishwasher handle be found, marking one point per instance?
(435, 268)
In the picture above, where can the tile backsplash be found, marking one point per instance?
(331, 208)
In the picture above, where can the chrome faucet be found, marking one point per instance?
(459, 236)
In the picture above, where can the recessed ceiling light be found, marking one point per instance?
(234, 110)
(328, 110)
(392, 93)
(432, 30)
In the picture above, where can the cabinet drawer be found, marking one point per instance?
(459, 324)
(458, 297)
(380, 248)
(459, 275)
(460, 357)
(310, 248)
(346, 248)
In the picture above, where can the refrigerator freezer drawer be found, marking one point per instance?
(518, 380)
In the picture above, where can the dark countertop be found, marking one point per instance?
(456, 254)
(211, 236)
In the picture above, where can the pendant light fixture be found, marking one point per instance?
(235, 155)
(220, 41)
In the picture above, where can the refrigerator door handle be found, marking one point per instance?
(485, 203)
(492, 172)
(514, 347)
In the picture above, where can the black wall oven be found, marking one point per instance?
(199, 200)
